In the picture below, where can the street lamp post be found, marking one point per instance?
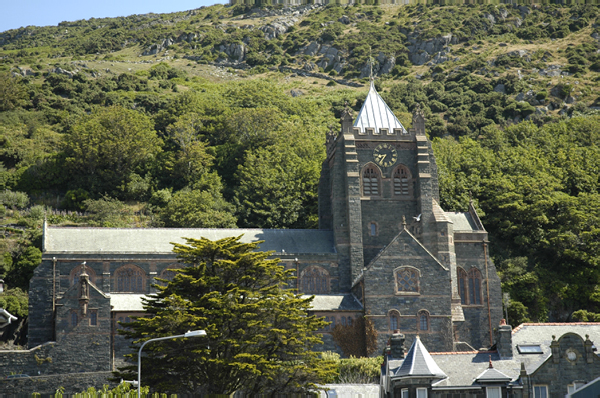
(194, 333)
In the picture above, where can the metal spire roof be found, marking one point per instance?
(376, 114)
(419, 363)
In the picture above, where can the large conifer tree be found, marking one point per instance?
(259, 334)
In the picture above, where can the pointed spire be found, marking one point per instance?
(376, 114)
(419, 363)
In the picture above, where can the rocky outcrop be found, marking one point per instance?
(383, 64)
(278, 27)
(234, 51)
(421, 51)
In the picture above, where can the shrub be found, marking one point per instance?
(15, 200)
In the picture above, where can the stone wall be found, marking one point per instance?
(46, 385)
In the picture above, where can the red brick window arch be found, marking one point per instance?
(371, 180)
(407, 280)
(314, 280)
(75, 272)
(469, 286)
(423, 320)
(130, 279)
(402, 181)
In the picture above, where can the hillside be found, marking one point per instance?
(216, 117)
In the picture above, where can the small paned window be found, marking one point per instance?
(314, 280)
(540, 391)
(493, 392)
(407, 280)
(421, 393)
(469, 286)
(130, 279)
(93, 318)
(401, 180)
(74, 319)
(371, 181)
(394, 322)
(423, 317)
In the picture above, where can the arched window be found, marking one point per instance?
(314, 280)
(474, 286)
(75, 272)
(469, 286)
(370, 177)
(394, 320)
(130, 279)
(402, 180)
(423, 320)
(343, 321)
(373, 229)
(407, 280)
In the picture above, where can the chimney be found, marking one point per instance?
(504, 340)
(397, 345)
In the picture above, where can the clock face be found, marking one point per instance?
(385, 155)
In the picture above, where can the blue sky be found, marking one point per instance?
(15, 14)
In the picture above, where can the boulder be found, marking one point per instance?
(500, 88)
(344, 19)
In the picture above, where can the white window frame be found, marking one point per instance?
(497, 394)
(421, 390)
(540, 386)
(404, 393)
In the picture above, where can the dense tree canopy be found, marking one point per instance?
(259, 334)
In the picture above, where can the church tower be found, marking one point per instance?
(397, 248)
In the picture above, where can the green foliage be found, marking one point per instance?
(15, 301)
(13, 93)
(193, 208)
(75, 198)
(259, 333)
(104, 148)
(14, 200)
(107, 212)
(23, 264)
(365, 370)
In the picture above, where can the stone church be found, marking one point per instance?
(385, 249)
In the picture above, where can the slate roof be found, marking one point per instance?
(465, 368)
(126, 302)
(335, 302)
(418, 363)
(376, 114)
(462, 221)
(158, 240)
(492, 375)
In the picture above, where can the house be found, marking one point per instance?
(532, 361)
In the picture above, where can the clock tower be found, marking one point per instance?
(377, 174)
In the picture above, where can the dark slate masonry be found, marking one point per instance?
(385, 250)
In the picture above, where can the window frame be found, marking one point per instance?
(420, 389)
(540, 387)
(493, 388)
(374, 173)
(315, 279)
(423, 315)
(137, 277)
(405, 187)
(393, 314)
(417, 276)
(470, 286)
(93, 318)
(404, 393)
